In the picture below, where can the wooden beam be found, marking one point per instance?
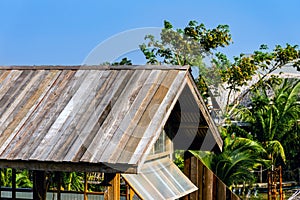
(69, 166)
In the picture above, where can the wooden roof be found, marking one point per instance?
(91, 118)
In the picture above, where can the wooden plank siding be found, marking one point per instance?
(210, 187)
(106, 116)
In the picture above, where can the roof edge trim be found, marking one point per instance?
(94, 67)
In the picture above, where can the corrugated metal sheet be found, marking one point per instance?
(84, 114)
(159, 180)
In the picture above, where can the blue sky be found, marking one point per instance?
(50, 32)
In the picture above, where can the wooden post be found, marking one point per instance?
(39, 185)
(58, 174)
(221, 195)
(215, 187)
(85, 197)
(130, 193)
(208, 184)
(187, 168)
(200, 175)
(280, 183)
(0, 183)
(194, 176)
(113, 190)
(13, 184)
(269, 185)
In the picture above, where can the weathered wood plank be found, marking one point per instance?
(194, 177)
(221, 194)
(157, 112)
(94, 147)
(130, 121)
(45, 115)
(201, 176)
(11, 100)
(87, 119)
(58, 133)
(7, 80)
(98, 115)
(123, 112)
(22, 108)
(28, 108)
(111, 125)
(77, 119)
(65, 105)
(146, 118)
(208, 184)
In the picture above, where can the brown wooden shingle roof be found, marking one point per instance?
(85, 114)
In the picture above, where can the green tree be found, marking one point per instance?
(260, 63)
(187, 46)
(190, 45)
(184, 46)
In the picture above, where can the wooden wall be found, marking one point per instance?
(210, 187)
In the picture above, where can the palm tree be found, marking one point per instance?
(234, 164)
(273, 113)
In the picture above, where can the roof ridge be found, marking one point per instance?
(94, 67)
